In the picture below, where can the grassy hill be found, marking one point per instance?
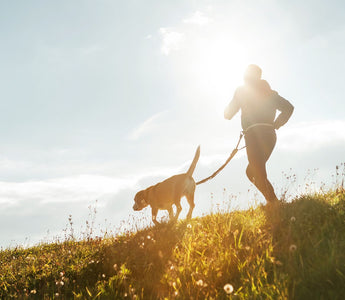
(290, 251)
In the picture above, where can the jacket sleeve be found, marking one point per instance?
(233, 107)
(286, 109)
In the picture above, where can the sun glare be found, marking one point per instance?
(213, 67)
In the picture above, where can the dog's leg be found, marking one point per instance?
(190, 199)
(171, 213)
(154, 215)
(178, 209)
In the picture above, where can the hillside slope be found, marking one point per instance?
(291, 251)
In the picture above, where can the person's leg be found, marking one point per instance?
(259, 148)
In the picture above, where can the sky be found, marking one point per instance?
(103, 98)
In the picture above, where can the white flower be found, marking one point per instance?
(33, 292)
(228, 288)
(200, 282)
(189, 226)
(103, 275)
(293, 248)
(293, 219)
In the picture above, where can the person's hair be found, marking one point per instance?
(253, 72)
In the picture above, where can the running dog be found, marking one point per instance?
(168, 192)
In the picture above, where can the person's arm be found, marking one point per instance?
(286, 109)
(233, 107)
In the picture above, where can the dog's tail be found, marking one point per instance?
(194, 162)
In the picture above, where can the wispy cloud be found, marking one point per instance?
(197, 18)
(174, 37)
(308, 136)
(171, 40)
(81, 188)
(146, 126)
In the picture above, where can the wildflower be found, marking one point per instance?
(148, 237)
(56, 294)
(176, 293)
(62, 283)
(33, 292)
(293, 219)
(200, 282)
(115, 267)
(189, 226)
(293, 248)
(247, 248)
(61, 274)
(125, 294)
(278, 263)
(228, 288)
(103, 275)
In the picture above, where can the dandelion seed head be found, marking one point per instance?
(293, 248)
(228, 288)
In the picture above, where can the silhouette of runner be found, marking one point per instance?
(258, 104)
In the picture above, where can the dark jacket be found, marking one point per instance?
(258, 104)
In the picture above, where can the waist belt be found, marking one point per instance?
(257, 124)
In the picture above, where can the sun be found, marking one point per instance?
(213, 68)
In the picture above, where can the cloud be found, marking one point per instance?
(173, 37)
(171, 40)
(305, 136)
(145, 127)
(198, 18)
(82, 188)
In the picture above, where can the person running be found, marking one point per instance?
(258, 104)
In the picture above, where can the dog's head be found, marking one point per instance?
(140, 201)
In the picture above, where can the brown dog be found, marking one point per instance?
(168, 192)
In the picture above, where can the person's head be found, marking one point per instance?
(252, 74)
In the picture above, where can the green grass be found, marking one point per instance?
(290, 251)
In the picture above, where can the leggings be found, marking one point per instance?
(260, 142)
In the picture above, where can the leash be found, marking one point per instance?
(233, 153)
